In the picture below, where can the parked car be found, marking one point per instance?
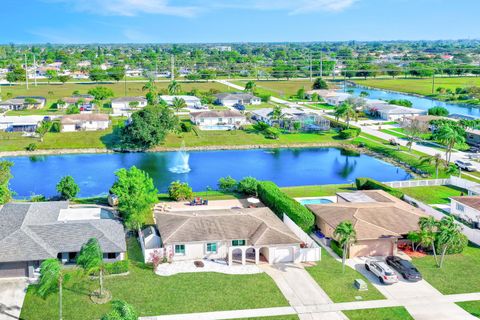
(465, 165)
(393, 142)
(405, 268)
(382, 271)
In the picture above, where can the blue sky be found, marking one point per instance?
(179, 21)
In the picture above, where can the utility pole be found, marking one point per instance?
(311, 70)
(345, 81)
(433, 82)
(125, 84)
(34, 70)
(321, 64)
(334, 66)
(26, 71)
(172, 71)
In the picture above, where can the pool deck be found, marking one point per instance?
(331, 198)
(212, 205)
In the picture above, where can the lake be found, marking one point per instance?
(418, 102)
(94, 173)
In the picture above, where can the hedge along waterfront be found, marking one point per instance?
(371, 184)
(281, 204)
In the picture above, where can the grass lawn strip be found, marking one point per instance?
(434, 194)
(472, 307)
(155, 295)
(392, 313)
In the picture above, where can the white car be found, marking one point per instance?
(465, 165)
(384, 273)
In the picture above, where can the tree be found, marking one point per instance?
(428, 227)
(5, 176)
(393, 70)
(51, 74)
(180, 191)
(16, 75)
(251, 86)
(101, 93)
(301, 93)
(64, 78)
(68, 188)
(413, 130)
(438, 111)
(148, 127)
(97, 74)
(345, 110)
(43, 128)
(345, 235)
(121, 311)
(178, 104)
(364, 94)
(174, 88)
(136, 195)
(248, 186)
(52, 278)
(272, 133)
(448, 235)
(276, 113)
(227, 184)
(436, 160)
(90, 258)
(116, 73)
(449, 136)
(319, 84)
(72, 109)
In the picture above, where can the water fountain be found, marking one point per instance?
(181, 161)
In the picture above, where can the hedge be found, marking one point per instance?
(349, 133)
(117, 267)
(371, 184)
(335, 246)
(281, 204)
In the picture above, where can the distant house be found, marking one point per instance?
(392, 112)
(218, 120)
(23, 102)
(473, 137)
(190, 101)
(466, 208)
(230, 99)
(125, 106)
(309, 121)
(337, 99)
(33, 232)
(85, 122)
(322, 93)
(76, 99)
(423, 120)
(232, 235)
(20, 123)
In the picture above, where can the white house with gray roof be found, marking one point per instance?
(125, 106)
(33, 232)
(228, 99)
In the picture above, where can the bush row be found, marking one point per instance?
(349, 133)
(371, 184)
(281, 204)
(117, 267)
(335, 246)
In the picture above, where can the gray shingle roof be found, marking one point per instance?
(235, 96)
(31, 231)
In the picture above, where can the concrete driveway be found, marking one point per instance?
(12, 293)
(421, 299)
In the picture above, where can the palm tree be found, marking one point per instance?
(52, 277)
(90, 259)
(178, 103)
(449, 136)
(121, 311)
(346, 110)
(345, 235)
(250, 86)
(276, 114)
(449, 234)
(174, 88)
(429, 227)
(150, 86)
(436, 160)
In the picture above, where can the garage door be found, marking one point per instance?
(13, 269)
(372, 248)
(283, 255)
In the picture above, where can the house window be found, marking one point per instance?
(179, 249)
(72, 256)
(220, 120)
(212, 247)
(460, 207)
(237, 243)
(111, 255)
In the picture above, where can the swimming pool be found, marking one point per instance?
(314, 201)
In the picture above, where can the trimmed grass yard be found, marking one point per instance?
(339, 286)
(458, 275)
(472, 307)
(279, 88)
(155, 295)
(290, 317)
(318, 191)
(434, 194)
(393, 313)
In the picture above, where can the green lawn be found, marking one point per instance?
(458, 274)
(155, 295)
(420, 86)
(434, 194)
(339, 286)
(289, 317)
(472, 307)
(279, 88)
(318, 191)
(392, 313)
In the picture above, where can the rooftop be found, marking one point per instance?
(217, 114)
(129, 99)
(235, 96)
(470, 201)
(75, 118)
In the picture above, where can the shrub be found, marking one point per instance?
(455, 248)
(180, 191)
(248, 186)
(401, 102)
(371, 184)
(265, 97)
(185, 126)
(335, 246)
(67, 188)
(281, 204)
(260, 126)
(117, 267)
(319, 84)
(55, 127)
(31, 147)
(438, 111)
(349, 133)
(227, 184)
(271, 133)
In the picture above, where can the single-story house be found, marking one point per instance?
(75, 100)
(234, 235)
(229, 99)
(85, 122)
(473, 137)
(124, 106)
(379, 219)
(423, 120)
(23, 102)
(20, 123)
(33, 232)
(190, 101)
(218, 120)
(392, 112)
(322, 93)
(310, 121)
(466, 208)
(337, 99)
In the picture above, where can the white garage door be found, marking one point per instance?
(283, 255)
(13, 269)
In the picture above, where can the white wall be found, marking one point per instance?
(312, 251)
(467, 214)
(198, 250)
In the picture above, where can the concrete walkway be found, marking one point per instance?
(12, 294)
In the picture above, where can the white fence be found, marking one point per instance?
(312, 251)
(417, 183)
(472, 234)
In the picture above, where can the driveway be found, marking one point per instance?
(12, 293)
(421, 299)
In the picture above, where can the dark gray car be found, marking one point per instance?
(405, 268)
